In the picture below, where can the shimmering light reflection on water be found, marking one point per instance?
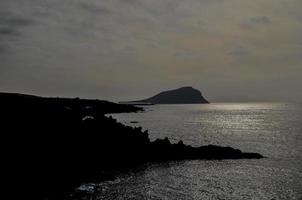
(272, 129)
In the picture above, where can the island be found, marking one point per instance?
(53, 145)
(183, 95)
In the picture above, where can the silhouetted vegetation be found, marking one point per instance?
(56, 144)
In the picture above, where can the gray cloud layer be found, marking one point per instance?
(125, 49)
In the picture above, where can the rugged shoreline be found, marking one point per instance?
(61, 143)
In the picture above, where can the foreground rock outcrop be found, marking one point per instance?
(56, 144)
(184, 95)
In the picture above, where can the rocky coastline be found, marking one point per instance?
(57, 144)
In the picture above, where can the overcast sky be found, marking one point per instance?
(232, 50)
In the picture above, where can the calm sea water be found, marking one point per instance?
(272, 129)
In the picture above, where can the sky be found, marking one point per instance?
(231, 50)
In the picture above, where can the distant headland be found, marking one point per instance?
(183, 95)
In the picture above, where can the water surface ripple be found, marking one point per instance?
(272, 129)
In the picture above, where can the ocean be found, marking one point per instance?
(271, 129)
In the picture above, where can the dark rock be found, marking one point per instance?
(184, 95)
(51, 150)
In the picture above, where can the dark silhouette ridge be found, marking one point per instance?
(184, 95)
(56, 144)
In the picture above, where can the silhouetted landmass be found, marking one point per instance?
(184, 95)
(56, 144)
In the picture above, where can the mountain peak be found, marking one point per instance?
(183, 95)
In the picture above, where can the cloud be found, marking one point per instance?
(9, 31)
(10, 24)
(15, 21)
(120, 44)
(261, 20)
(94, 8)
(240, 51)
(255, 22)
(3, 49)
(11, 27)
